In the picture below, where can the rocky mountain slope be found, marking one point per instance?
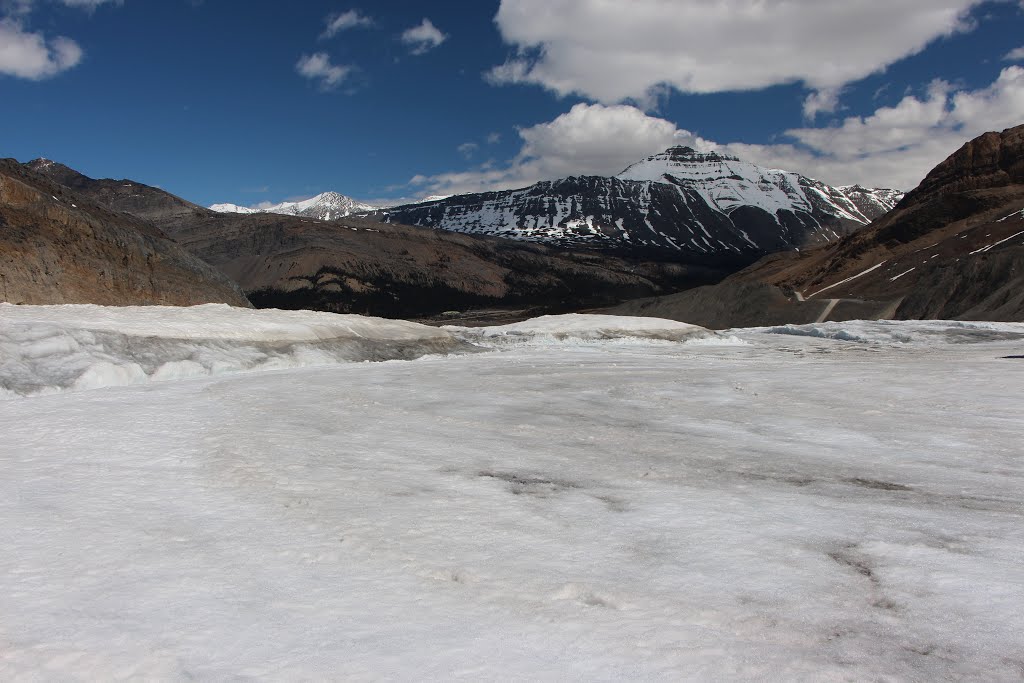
(325, 207)
(151, 204)
(681, 204)
(57, 247)
(952, 248)
(363, 266)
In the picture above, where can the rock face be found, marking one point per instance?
(151, 204)
(354, 265)
(362, 266)
(682, 205)
(952, 248)
(58, 247)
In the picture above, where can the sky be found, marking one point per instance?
(258, 102)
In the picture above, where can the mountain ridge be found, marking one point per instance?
(325, 206)
(952, 248)
(694, 207)
(61, 247)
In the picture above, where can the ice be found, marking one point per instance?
(792, 508)
(45, 349)
(888, 332)
(584, 327)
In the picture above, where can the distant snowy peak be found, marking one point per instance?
(727, 182)
(326, 207)
(232, 208)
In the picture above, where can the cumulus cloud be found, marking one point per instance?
(336, 23)
(1015, 55)
(31, 55)
(590, 139)
(821, 102)
(24, 54)
(318, 67)
(897, 146)
(468, 149)
(616, 51)
(423, 38)
(893, 147)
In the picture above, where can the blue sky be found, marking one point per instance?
(249, 102)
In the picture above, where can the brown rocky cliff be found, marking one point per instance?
(990, 161)
(59, 248)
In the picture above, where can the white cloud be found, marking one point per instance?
(893, 147)
(590, 139)
(423, 38)
(494, 138)
(31, 55)
(318, 67)
(613, 51)
(897, 146)
(821, 102)
(89, 4)
(468, 149)
(344, 21)
(1015, 55)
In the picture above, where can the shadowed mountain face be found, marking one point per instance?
(362, 266)
(59, 247)
(679, 205)
(952, 248)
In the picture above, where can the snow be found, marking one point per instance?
(898, 276)
(726, 183)
(550, 210)
(788, 508)
(849, 279)
(232, 208)
(889, 332)
(324, 206)
(583, 327)
(996, 244)
(47, 349)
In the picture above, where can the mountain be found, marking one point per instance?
(363, 266)
(952, 248)
(149, 203)
(356, 265)
(680, 204)
(59, 247)
(325, 207)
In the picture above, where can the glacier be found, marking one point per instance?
(572, 500)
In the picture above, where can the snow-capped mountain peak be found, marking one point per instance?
(325, 206)
(689, 204)
(727, 183)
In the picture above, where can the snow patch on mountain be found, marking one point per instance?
(727, 182)
(686, 202)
